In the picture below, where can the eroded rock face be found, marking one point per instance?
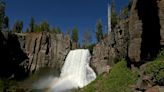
(161, 16)
(111, 49)
(44, 50)
(100, 58)
(146, 29)
(135, 32)
(11, 56)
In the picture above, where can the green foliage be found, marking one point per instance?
(5, 84)
(18, 26)
(90, 47)
(37, 28)
(160, 56)
(1, 85)
(27, 30)
(32, 23)
(124, 13)
(156, 71)
(99, 31)
(114, 18)
(44, 26)
(56, 30)
(130, 4)
(118, 80)
(6, 21)
(75, 35)
(2, 13)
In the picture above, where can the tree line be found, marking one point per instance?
(44, 26)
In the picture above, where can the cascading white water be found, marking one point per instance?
(75, 73)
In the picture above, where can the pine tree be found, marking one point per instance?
(18, 26)
(75, 35)
(56, 30)
(27, 30)
(32, 23)
(2, 13)
(99, 31)
(114, 18)
(6, 21)
(45, 26)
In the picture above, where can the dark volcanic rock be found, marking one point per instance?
(135, 31)
(111, 49)
(161, 17)
(138, 38)
(11, 56)
(146, 29)
(22, 54)
(45, 50)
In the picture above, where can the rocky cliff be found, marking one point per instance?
(146, 29)
(31, 51)
(44, 50)
(112, 48)
(138, 38)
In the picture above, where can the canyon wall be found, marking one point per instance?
(137, 38)
(111, 49)
(31, 51)
(146, 28)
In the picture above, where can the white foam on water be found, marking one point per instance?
(75, 73)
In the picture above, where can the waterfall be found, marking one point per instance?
(75, 73)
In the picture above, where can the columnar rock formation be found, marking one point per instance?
(44, 50)
(146, 29)
(26, 53)
(161, 17)
(111, 48)
(138, 38)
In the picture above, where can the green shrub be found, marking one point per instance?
(1, 85)
(90, 47)
(120, 79)
(160, 56)
(156, 71)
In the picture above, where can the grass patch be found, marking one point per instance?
(156, 71)
(120, 79)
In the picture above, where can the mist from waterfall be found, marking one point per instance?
(75, 73)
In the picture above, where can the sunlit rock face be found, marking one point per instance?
(44, 49)
(76, 72)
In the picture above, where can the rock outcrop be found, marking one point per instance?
(11, 56)
(112, 48)
(28, 52)
(161, 17)
(44, 50)
(135, 32)
(138, 38)
(146, 29)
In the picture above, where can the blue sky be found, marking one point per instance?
(63, 13)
